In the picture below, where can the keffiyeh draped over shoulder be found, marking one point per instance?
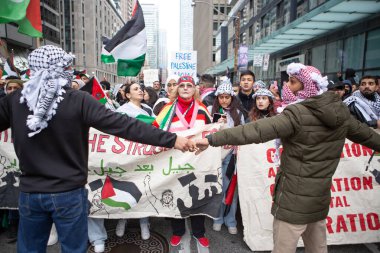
(43, 92)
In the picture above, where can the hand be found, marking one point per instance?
(192, 146)
(181, 143)
(201, 145)
(378, 124)
(222, 120)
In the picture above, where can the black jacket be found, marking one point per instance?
(247, 103)
(359, 116)
(55, 160)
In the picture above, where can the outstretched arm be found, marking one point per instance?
(360, 133)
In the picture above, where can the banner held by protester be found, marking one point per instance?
(354, 207)
(133, 180)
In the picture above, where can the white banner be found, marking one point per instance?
(134, 180)
(355, 203)
(183, 63)
(266, 62)
(150, 76)
(258, 60)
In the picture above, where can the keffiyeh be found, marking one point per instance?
(225, 88)
(43, 92)
(263, 92)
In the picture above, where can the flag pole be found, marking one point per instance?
(38, 42)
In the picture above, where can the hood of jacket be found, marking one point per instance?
(328, 108)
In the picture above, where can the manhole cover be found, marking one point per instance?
(131, 242)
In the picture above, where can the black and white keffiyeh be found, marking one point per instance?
(43, 92)
(370, 109)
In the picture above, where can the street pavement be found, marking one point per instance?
(220, 242)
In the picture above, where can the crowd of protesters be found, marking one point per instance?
(262, 111)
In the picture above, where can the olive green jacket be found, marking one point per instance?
(313, 133)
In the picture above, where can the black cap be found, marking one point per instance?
(335, 86)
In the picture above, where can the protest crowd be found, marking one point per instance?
(308, 116)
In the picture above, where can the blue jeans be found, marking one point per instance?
(230, 219)
(38, 211)
(97, 233)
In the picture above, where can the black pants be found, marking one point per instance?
(197, 226)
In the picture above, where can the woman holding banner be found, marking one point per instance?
(228, 106)
(185, 112)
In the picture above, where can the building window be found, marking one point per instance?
(318, 57)
(334, 57)
(213, 57)
(213, 42)
(372, 56)
(354, 52)
(215, 26)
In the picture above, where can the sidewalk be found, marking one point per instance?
(220, 242)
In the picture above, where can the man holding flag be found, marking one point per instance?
(53, 154)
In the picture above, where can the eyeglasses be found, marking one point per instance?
(172, 84)
(187, 85)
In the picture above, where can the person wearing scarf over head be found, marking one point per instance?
(263, 105)
(50, 125)
(227, 104)
(170, 85)
(313, 133)
(185, 112)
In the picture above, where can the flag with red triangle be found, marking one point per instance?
(117, 193)
(26, 13)
(94, 87)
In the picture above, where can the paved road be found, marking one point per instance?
(220, 242)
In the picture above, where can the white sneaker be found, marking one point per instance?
(53, 238)
(217, 227)
(232, 230)
(99, 248)
(145, 233)
(120, 227)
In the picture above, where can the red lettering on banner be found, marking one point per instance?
(347, 223)
(328, 225)
(339, 201)
(130, 147)
(348, 151)
(373, 221)
(101, 143)
(367, 183)
(148, 150)
(272, 189)
(341, 224)
(362, 222)
(4, 135)
(121, 147)
(137, 148)
(356, 149)
(354, 184)
(205, 133)
(352, 217)
(270, 155)
(271, 172)
(367, 151)
(92, 142)
(157, 150)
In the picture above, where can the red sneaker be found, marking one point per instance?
(175, 240)
(203, 241)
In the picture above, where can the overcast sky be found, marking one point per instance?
(169, 20)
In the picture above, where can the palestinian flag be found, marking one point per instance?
(26, 13)
(25, 74)
(95, 89)
(120, 193)
(128, 46)
(9, 68)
